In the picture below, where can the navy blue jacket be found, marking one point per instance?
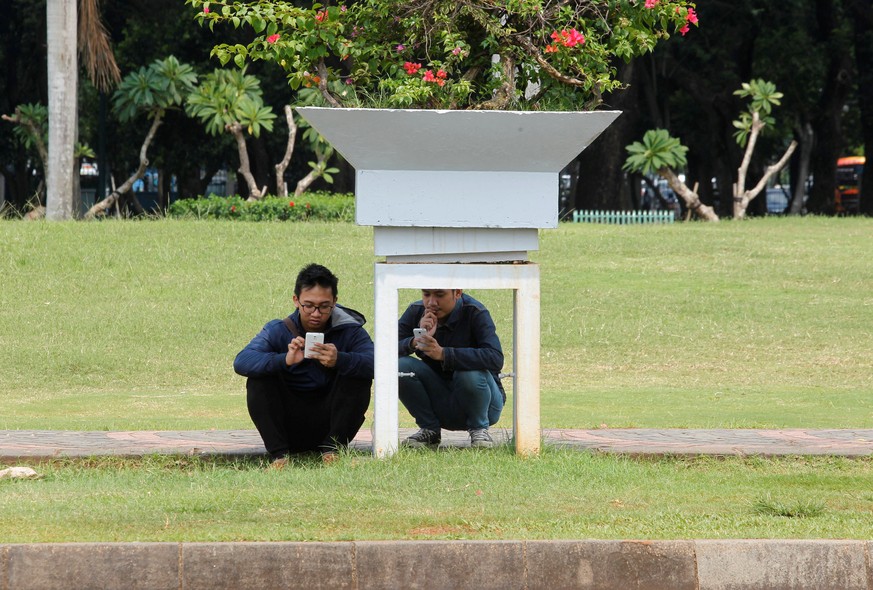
(468, 337)
(265, 354)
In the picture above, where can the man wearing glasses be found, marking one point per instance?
(316, 403)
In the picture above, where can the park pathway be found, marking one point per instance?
(41, 444)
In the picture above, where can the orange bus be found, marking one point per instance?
(848, 195)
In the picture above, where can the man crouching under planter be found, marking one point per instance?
(454, 382)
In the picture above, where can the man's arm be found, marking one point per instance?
(356, 358)
(265, 354)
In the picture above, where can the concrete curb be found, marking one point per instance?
(435, 565)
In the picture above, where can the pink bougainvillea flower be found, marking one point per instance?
(572, 38)
(456, 51)
(428, 76)
(691, 17)
(343, 8)
(556, 35)
(321, 16)
(411, 68)
(684, 29)
(273, 38)
(206, 9)
(651, 3)
(400, 48)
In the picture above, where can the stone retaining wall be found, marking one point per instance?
(435, 565)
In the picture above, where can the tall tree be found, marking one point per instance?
(62, 107)
(862, 16)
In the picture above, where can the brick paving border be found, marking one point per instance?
(43, 444)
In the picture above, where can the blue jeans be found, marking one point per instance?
(468, 400)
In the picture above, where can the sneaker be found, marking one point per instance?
(423, 438)
(480, 438)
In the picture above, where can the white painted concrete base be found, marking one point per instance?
(523, 279)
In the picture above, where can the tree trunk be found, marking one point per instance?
(862, 12)
(742, 197)
(281, 185)
(244, 166)
(602, 184)
(103, 206)
(62, 107)
(692, 200)
(807, 138)
(305, 182)
(827, 124)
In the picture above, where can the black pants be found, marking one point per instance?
(291, 422)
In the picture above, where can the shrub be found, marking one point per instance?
(321, 206)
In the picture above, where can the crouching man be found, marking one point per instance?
(457, 360)
(315, 402)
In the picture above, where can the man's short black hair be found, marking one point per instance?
(315, 274)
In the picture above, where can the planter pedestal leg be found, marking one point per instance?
(523, 279)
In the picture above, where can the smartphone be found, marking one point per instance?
(312, 338)
(418, 332)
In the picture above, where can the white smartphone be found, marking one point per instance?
(312, 338)
(418, 332)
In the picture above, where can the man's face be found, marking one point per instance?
(441, 302)
(315, 305)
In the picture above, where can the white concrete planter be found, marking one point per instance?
(449, 193)
(436, 184)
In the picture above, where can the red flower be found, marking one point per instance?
(307, 205)
(442, 74)
(273, 38)
(206, 9)
(411, 68)
(233, 208)
(567, 38)
(428, 76)
(291, 204)
(321, 16)
(684, 29)
(692, 16)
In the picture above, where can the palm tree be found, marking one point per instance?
(93, 41)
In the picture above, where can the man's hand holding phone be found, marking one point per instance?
(317, 350)
(425, 342)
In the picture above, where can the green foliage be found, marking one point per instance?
(162, 85)
(438, 53)
(230, 97)
(31, 116)
(32, 125)
(763, 94)
(315, 206)
(764, 97)
(658, 150)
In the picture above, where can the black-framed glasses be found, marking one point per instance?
(323, 309)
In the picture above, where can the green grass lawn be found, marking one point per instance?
(134, 325)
